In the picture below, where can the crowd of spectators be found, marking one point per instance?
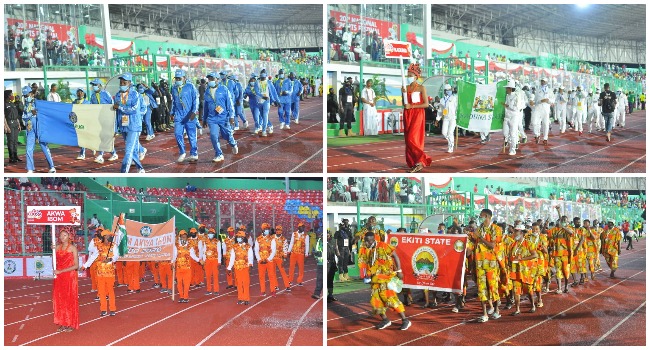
(384, 190)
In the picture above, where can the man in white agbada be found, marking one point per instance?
(593, 111)
(620, 108)
(541, 111)
(581, 110)
(523, 102)
(571, 108)
(369, 98)
(449, 104)
(560, 108)
(512, 117)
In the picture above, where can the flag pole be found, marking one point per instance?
(53, 250)
(174, 281)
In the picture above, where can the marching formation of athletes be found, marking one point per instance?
(220, 108)
(197, 258)
(573, 108)
(504, 261)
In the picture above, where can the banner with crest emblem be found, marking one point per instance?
(480, 106)
(147, 242)
(431, 261)
(83, 125)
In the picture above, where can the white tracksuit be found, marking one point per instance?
(541, 111)
(560, 110)
(581, 110)
(448, 116)
(512, 118)
(620, 109)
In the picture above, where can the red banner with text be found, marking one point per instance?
(46, 215)
(431, 261)
(384, 29)
(60, 32)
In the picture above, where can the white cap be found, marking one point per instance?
(591, 91)
(447, 87)
(511, 84)
(619, 89)
(520, 227)
(561, 88)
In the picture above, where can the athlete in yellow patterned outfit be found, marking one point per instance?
(611, 246)
(560, 240)
(522, 258)
(540, 242)
(377, 259)
(592, 236)
(579, 248)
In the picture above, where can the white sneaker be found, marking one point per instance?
(148, 138)
(236, 128)
(113, 157)
(201, 131)
(281, 126)
(143, 153)
(218, 159)
(288, 127)
(235, 150)
(193, 158)
(94, 152)
(30, 171)
(270, 129)
(52, 170)
(185, 135)
(450, 150)
(512, 153)
(81, 156)
(257, 131)
(264, 134)
(296, 121)
(246, 124)
(99, 159)
(181, 158)
(141, 171)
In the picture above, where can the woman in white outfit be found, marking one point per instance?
(510, 127)
(449, 104)
(369, 98)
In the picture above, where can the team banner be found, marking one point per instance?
(384, 29)
(59, 32)
(397, 49)
(480, 107)
(431, 261)
(46, 215)
(81, 125)
(148, 242)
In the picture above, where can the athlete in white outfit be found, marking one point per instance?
(560, 108)
(449, 104)
(512, 117)
(593, 111)
(581, 110)
(541, 111)
(620, 108)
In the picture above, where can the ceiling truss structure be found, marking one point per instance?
(604, 35)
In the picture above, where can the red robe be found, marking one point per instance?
(414, 125)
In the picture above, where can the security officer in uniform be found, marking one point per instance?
(12, 126)
(347, 100)
(343, 238)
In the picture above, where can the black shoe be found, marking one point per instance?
(96, 298)
(288, 289)
(112, 313)
(208, 293)
(103, 313)
(300, 284)
(180, 300)
(18, 159)
(331, 298)
(314, 296)
(239, 302)
(405, 325)
(384, 324)
(129, 291)
(12, 161)
(245, 303)
(137, 291)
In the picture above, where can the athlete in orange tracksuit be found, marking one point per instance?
(106, 255)
(183, 255)
(92, 248)
(241, 258)
(210, 258)
(299, 249)
(228, 243)
(132, 275)
(279, 258)
(265, 251)
(166, 276)
(197, 269)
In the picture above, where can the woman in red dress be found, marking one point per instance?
(65, 294)
(414, 123)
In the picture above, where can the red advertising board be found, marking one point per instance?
(384, 29)
(431, 261)
(397, 49)
(63, 215)
(61, 32)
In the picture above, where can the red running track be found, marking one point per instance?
(566, 153)
(603, 312)
(151, 318)
(299, 149)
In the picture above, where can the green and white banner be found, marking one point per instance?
(480, 107)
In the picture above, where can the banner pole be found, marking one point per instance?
(456, 139)
(404, 94)
(54, 250)
(173, 281)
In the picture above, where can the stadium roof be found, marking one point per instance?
(243, 14)
(620, 21)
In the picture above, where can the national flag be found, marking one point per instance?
(83, 125)
(480, 107)
(123, 247)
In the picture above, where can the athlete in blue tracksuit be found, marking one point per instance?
(101, 96)
(284, 99)
(81, 100)
(238, 101)
(219, 115)
(31, 123)
(252, 102)
(295, 97)
(128, 107)
(149, 96)
(185, 107)
(265, 96)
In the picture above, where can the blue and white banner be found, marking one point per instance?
(83, 125)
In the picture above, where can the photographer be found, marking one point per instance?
(343, 242)
(331, 266)
(318, 255)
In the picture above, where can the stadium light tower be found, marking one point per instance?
(582, 5)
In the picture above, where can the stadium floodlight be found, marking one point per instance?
(582, 5)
